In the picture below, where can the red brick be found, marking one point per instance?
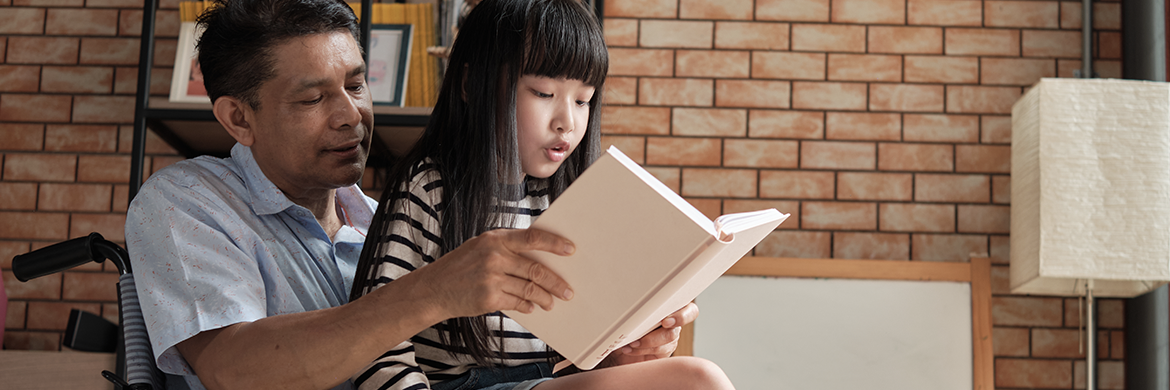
(39, 167)
(1057, 343)
(1001, 189)
(946, 247)
(621, 90)
(42, 50)
(3, 47)
(908, 217)
(709, 122)
(729, 183)
(634, 120)
(1010, 341)
(166, 23)
(837, 155)
(642, 8)
(760, 153)
(940, 128)
(1051, 43)
(45, 287)
(22, 136)
(942, 69)
(48, 3)
(839, 216)
(621, 32)
(978, 41)
(16, 315)
(793, 10)
(951, 188)
(752, 93)
(786, 124)
(164, 52)
(111, 226)
(19, 78)
(788, 66)
(709, 207)
(81, 138)
(828, 38)
(1016, 71)
(160, 162)
(981, 100)
(8, 249)
(1000, 249)
(796, 184)
(865, 67)
(126, 81)
(74, 197)
(55, 315)
(18, 196)
(677, 34)
(1106, 15)
(996, 129)
(1026, 311)
(1110, 374)
(110, 51)
(915, 157)
(1108, 45)
(33, 341)
(127, 4)
(91, 286)
(1028, 14)
(641, 62)
(683, 151)
(103, 109)
(668, 176)
(633, 147)
(829, 95)
(983, 158)
(1001, 284)
(34, 108)
(86, 21)
(22, 21)
(784, 206)
(103, 168)
(863, 126)
(906, 40)
(878, 246)
(1117, 344)
(984, 219)
(869, 11)
(799, 244)
(746, 35)
(712, 9)
(712, 63)
(77, 79)
(1033, 373)
(874, 186)
(906, 97)
(676, 92)
(944, 12)
(122, 198)
(1111, 313)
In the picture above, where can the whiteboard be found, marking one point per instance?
(808, 334)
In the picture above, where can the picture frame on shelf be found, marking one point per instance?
(389, 61)
(187, 80)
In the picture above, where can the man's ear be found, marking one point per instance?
(235, 115)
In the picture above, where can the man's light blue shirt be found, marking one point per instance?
(213, 243)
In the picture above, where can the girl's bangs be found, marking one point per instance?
(558, 46)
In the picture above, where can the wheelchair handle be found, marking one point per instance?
(68, 254)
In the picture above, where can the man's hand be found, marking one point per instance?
(488, 274)
(659, 343)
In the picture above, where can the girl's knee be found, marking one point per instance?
(699, 373)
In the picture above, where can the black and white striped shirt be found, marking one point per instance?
(412, 240)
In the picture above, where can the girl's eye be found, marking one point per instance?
(582, 103)
(542, 94)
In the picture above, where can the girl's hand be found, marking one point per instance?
(659, 343)
(487, 274)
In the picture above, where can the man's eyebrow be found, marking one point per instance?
(314, 83)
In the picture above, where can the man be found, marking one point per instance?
(244, 264)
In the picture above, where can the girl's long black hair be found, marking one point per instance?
(471, 136)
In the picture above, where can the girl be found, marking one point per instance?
(516, 122)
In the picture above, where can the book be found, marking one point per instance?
(643, 252)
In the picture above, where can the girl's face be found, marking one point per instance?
(551, 118)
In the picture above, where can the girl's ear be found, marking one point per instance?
(234, 116)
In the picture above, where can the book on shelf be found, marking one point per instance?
(187, 80)
(422, 85)
(643, 252)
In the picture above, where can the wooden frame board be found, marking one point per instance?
(977, 273)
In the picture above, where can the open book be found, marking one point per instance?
(642, 253)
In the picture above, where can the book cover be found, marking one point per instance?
(643, 252)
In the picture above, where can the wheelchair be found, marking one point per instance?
(135, 359)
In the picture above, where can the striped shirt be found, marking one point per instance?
(412, 240)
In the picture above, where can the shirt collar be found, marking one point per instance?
(266, 197)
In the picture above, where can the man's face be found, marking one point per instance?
(313, 128)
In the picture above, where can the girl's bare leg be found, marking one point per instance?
(682, 372)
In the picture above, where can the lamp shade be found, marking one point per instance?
(1091, 187)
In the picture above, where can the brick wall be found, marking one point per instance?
(883, 126)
